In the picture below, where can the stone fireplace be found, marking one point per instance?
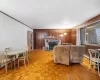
(51, 42)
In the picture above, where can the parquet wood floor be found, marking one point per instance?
(42, 67)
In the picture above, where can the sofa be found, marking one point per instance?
(67, 54)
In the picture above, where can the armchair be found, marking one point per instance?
(61, 54)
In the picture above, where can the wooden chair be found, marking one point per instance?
(23, 56)
(5, 61)
(94, 57)
(13, 58)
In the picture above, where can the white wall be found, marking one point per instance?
(12, 33)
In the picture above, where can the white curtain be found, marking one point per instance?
(78, 41)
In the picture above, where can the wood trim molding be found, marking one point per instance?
(15, 19)
(89, 22)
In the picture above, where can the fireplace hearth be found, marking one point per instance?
(51, 42)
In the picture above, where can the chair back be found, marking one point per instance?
(2, 57)
(92, 53)
(24, 53)
(25, 48)
(6, 51)
(97, 54)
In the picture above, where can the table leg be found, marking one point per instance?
(14, 63)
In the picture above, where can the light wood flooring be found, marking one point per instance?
(42, 67)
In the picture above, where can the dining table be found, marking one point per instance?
(15, 53)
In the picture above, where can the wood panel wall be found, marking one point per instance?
(89, 22)
(39, 36)
(73, 36)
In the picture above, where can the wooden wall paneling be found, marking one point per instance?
(38, 40)
(73, 36)
(61, 31)
(53, 32)
(88, 22)
(33, 39)
(65, 38)
(92, 20)
(39, 36)
(68, 36)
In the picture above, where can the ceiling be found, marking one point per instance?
(61, 14)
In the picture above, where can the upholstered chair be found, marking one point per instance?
(76, 53)
(61, 54)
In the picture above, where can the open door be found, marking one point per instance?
(30, 40)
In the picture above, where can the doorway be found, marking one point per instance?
(30, 40)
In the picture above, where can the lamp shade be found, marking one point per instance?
(65, 33)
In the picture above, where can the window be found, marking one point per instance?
(90, 34)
